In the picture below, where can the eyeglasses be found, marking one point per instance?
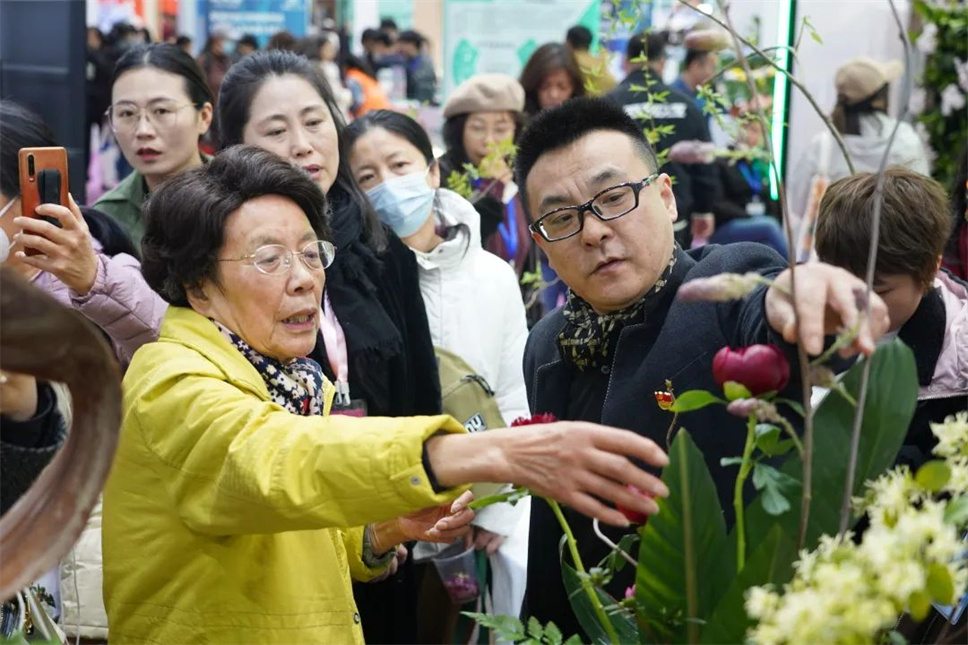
(273, 259)
(609, 204)
(127, 116)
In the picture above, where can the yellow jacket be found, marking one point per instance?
(225, 515)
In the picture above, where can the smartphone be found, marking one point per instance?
(43, 180)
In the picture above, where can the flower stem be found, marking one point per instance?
(744, 471)
(513, 495)
(582, 575)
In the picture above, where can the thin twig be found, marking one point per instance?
(614, 547)
(871, 261)
(802, 359)
(793, 80)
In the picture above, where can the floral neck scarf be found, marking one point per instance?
(296, 385)
(588, 338)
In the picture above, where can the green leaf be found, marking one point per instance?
(552, 634)
(694, 400)
(940, 585)
(796, 406)
(933, 475)
(769, 563)
(621, 619)
(776, 487)
(685, 559)
(891, 399)
(816, 37)
(767, 436)
(734, 391)
(957, 511)
(896, 638)
(730, 461)
(919, 604)
(573, 640)
(535, 629)
(504, 627)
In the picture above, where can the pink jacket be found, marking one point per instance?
(120, 302)
(951, 373)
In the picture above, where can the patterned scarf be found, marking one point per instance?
(588, 337)
(296, 385)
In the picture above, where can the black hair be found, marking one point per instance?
(694, 55)
(240, 86)
(396, 123)
(546, 60)
(579, 37)
(650, 44)
(565, 124)
(19, 128)
(169, 58)
(185, 217)
(388, 23)
(183, 40)
(411, 36)
(370, 34)
(352, 61)
(282, 40)
(248, 39)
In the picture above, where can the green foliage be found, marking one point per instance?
(770, 562)
(622, 620)
(933, 475)
(891, 399)
(946, 134)
(509, 628)
(685, 559)
(694, 400)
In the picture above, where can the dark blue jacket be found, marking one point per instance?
(677, 341)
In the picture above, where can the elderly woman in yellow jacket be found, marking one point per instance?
(238, 510)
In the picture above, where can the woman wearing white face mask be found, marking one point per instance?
(472, 297)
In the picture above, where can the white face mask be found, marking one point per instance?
(4, 240)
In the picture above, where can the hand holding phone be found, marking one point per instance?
(64, 250)
(43, 180)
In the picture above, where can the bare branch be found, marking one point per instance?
(871, 261)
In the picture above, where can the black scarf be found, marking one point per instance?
(351, 283)
(588, 337)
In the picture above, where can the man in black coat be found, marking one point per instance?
(604, 216)
(694, 184)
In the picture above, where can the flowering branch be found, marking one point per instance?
(802, 360)
(871, 262)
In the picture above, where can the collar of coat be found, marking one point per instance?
(184, 326)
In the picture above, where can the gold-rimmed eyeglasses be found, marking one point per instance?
(273, 259)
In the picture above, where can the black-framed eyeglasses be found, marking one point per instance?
(608, 204)
(273, 259)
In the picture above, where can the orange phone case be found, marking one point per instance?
(32, 161)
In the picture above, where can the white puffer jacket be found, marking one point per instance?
(474, 306)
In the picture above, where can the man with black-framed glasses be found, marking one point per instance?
(604, 216)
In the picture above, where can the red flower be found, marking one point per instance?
(761, 368)
(635, 517)
(542, 417)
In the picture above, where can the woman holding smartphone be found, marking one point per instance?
(160, 107)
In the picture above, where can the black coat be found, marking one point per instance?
(695, 185)
(677, 341)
